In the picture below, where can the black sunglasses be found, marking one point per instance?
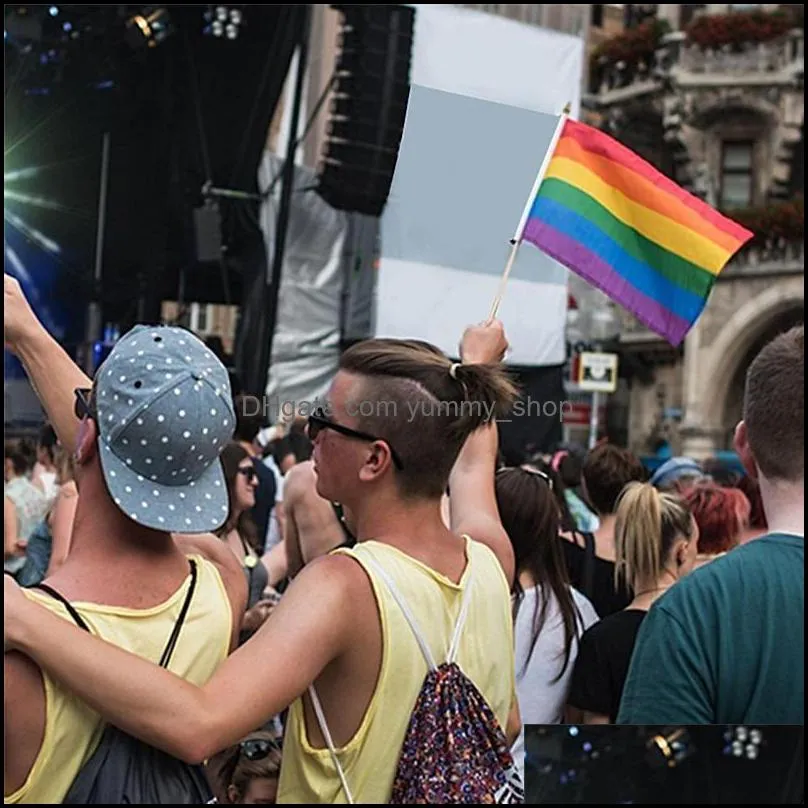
(84, 405)
(318, 422)
(257, 748)
(249, 472)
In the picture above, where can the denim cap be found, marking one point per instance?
(674, 469)
(165, 414)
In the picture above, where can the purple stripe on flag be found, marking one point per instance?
(582, 261)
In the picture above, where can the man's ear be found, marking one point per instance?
(377, 462)
(740, 443)
(87, 442)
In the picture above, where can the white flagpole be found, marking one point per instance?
(520, 228)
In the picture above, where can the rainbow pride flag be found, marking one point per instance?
(612, 218)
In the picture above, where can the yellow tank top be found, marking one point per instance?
(73, 730)
(485, 654)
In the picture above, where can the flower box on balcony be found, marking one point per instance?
(739, 28)
(774, 225)
(633, 46)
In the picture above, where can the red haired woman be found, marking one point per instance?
(722, 515)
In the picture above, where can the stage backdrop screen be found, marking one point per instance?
(485, 96)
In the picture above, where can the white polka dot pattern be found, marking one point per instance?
(166, 418)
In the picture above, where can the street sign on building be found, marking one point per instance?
(597, 372)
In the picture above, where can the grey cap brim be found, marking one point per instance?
(197, 507)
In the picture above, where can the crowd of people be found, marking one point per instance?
(273, 605)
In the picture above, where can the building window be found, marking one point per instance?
(736, 175)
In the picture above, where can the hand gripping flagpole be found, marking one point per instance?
(520, 229)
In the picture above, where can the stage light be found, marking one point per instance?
(223, 21)
(573, 731)
(54, 11)
(743, 742)
(670, 747)
(149, 29)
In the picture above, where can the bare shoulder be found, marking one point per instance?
(299, 479)
(209, 547)
(336, 577)
(219, 554)
(24, 717)
(341, 568)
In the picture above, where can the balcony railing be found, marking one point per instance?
(773, 257)
(678, 59)
(781, 56)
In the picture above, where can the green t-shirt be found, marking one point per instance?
(725, 644)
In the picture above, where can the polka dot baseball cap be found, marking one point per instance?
(165, 413)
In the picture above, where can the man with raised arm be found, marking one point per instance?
(126, 575)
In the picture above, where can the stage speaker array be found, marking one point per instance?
(369, 104)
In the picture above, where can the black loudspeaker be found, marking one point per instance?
(368, 107)
(208, 232)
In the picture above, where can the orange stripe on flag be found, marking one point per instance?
(641, 190)
(596, 142)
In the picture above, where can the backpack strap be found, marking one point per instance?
(318, 711)
(78, 619)
(172, 640)
(461, 621)
(402, 604)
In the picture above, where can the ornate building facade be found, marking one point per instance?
(713, 96)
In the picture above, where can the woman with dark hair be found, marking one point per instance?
(240, 534)
(549, 615)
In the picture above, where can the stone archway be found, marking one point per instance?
(731, 348)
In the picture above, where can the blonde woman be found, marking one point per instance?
(656, 543)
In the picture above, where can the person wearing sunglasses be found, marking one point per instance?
(241, 536)
(248, 773)
(402, 424)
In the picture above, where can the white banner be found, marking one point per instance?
(484, 102)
